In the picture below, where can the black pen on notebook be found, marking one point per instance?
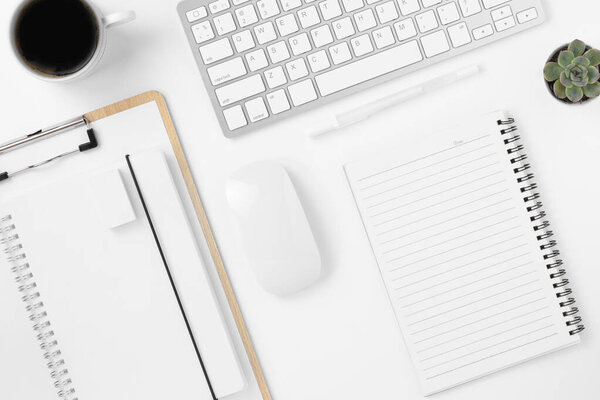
(365, 111)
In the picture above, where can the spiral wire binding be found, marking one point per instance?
(15, 255)
(540, 225)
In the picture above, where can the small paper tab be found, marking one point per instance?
(111, 198)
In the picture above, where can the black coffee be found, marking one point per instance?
(56, 37)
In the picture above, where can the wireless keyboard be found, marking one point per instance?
(264, 60)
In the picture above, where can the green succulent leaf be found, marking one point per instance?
(575, 94)
(552, 71)
(566, 82)
(559, 90)
(594, 56)
(581, 60)
(593, 74)
(592, 90)
(577, 47)
(565, 58)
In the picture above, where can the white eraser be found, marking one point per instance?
(111, 199)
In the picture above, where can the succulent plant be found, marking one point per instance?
(576, 73)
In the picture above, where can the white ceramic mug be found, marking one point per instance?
(103, 22)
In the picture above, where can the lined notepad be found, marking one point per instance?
(463, 245)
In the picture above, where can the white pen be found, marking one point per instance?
(365, 111)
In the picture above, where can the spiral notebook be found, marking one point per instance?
(466, 252)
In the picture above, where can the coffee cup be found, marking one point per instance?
(61, 40)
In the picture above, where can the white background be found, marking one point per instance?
(339, 339)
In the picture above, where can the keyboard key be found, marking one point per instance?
(216, 51)
(427, 21)
(409, 6)
(351, 5)
(469, 7)
(405, 29)
(368, 68)
(240, 90)
(267, 8)
(300, 44)
(238, 2)
(429, 3)
(224, 24)
(340, 53)
(435, 43)
(321, 36)
(309, 17)
(296, 69)
(483, 32)
(275, 77)
(235, 118)
(343, 28)
(202, 32)
(246, 15)
(302, 93)
(501, 13)
(361, 45)
(256, 109)
(365, 20)
(493, 3)
(527, 15)
(448, 13)
(318, 61)
(386, 12)
(286, 25)
(278, 52)
(288, 5)
(459, 34)
(226, 71)
(330, 9)
(218, 6)
(243, 41)
(383, 37)
(265, 33)
(505, 24)
(278, 101)
(196, 14)
(372, 1)
(256, 60)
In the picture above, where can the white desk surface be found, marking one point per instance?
(339, 339)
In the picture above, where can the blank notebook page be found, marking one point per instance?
(456, 245)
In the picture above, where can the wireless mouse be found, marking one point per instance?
(277, 238)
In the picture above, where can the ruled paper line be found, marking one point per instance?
(422, 158)
(491, 356)
(429, 166)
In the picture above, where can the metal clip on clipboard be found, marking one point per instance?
(46, 133)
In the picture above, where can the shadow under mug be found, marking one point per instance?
(103, 22)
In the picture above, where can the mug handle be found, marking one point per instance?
(118, 18)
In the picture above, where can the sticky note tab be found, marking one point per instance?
(111, 198)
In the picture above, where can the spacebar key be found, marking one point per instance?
(368, 68)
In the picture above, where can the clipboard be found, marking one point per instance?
(92, 142)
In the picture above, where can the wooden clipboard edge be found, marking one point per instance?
(151, 96)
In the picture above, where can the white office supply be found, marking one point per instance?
(110, 197)
(368, 110)
(276, 235)
(104, 316)
(284, 55)
(133, 126)
(461, 238)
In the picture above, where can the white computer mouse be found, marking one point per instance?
(277, 237)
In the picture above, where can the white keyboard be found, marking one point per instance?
(263, 60)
